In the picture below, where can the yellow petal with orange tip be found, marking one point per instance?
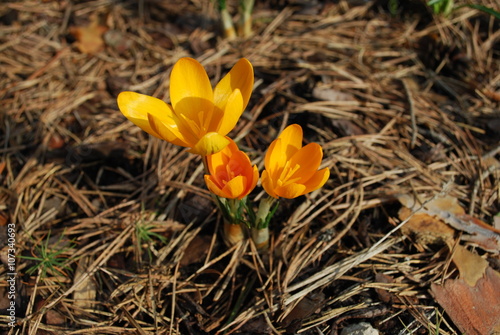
(210, 144)
(255, 179)
(189, 80)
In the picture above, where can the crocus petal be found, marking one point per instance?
(317, 180)
(189, 80)
(136, 108)
(291, 138)
(239, 77)
(210, 144)
(290, 169)
(199, 111)
(255, 179)
(275, 158)
(231, 173)
(232, 112)
(235, 187)
(214, 186)
(167, 132)
(239, 164)
(309, 159)
(218, 162)
(290, 191)
(267, 184)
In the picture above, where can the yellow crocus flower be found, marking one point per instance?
(290, 169)
(198, 117)
(231, 173)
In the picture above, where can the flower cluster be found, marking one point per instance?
(199, 118)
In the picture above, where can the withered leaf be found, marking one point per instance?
(475, 310)
(89, 38)
(448, 210)
(471, 266)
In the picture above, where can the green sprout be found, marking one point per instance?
(145, 234)
(445, 7)
(245, 9)
(49, 258)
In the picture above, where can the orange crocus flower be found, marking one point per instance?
(199, 118)
(231, 173)
(290, 169)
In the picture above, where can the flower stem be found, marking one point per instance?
(245, 25)
(260, 228)
(227, 21)
(264, 212)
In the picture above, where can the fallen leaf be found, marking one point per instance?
(448, 210)
(494, 95)
(54, 317)
(384, 295)
(196, 251)
(475, 310)
(470, 265)
(4, 218)
(305, 308)
(425, 228)
(89, 38)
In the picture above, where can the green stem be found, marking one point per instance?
(245, 26)
(264, 212)
(227, 21)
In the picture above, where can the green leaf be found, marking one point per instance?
(483, 9)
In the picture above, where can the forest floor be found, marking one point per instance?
(114, 231)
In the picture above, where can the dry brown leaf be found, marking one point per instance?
(448, 210)
(4, 218)
(494, 95)
(471, 266)
(384, 295)
(305, 308)
(196, 251)
(89, 39)
(425, 228)
(475, 310)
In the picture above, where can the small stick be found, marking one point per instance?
(412, 113)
